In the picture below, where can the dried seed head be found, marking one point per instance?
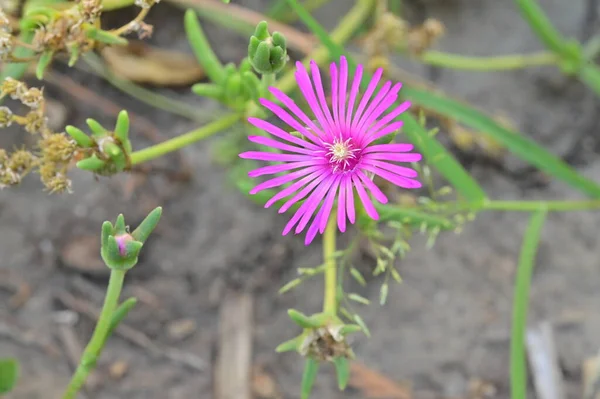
(35, 122)
(57, 148)
(142, 29)
(59, 183)
(21, 162)
(32, 98)
(90, 10)
(13, 87)
(325, 344)
(6, 117)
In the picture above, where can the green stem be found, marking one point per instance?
(267, 81)
(110, 5)
(202, 48)
(530, 206)
(94, 348)
(330, 301)
(541, 25)
(184, 140)
(506, 62)
(518, 361)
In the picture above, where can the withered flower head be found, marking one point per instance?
(32, 98)
(6, 117)
(13, 87)
(57, 148)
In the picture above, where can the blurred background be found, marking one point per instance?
(209, 275)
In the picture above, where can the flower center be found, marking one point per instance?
(342, 154)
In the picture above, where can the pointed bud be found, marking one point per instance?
(143, 231)
(267, 54)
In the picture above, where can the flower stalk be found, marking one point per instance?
(96, 344)
(330, 298)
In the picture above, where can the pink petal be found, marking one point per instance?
(271, 156)
(341, 216)
(287, 118)
(368, 138)
(334, 94)
(314, 227)
(304, 192)
(353, 93)
(266, 141)
(383, 92)
(314, 178)
(313, 201)
(400, 181)
(288, 102)
(377, 193)
(306, 88)
(350, 201)
(389, 117)
(390, 156)
(272, 169)
(316, 75)
(399, 170)
(367, 96)
(279, 180)
(392, 147)
(320, 191)
(362, 194)
(328, 205)
(342, 92)
(278, 132)
(384, 105)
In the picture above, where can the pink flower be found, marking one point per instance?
(337, 156)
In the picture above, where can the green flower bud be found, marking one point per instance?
(267, 53)
(119, 248)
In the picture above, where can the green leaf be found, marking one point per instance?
(292, 284)
(122, 128)
(431, 149)
(518, 361)
(342, 370)
(82, 139)
(302, 320)
(93, 164)
(96, 128)
(541, 25)
(350, 328)
(120, 227)
(412, 217)
(120, 313)
(9, 374)
(105, 37)
(383, 294)
(143, 231)
(290, 345)
(518, 144)
(357, 276)
(359, 299)
(202, 48)
(43, 62)
(311, 368)
(362, 324)
(210, 90)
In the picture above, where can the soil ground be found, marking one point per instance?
(445, 326)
